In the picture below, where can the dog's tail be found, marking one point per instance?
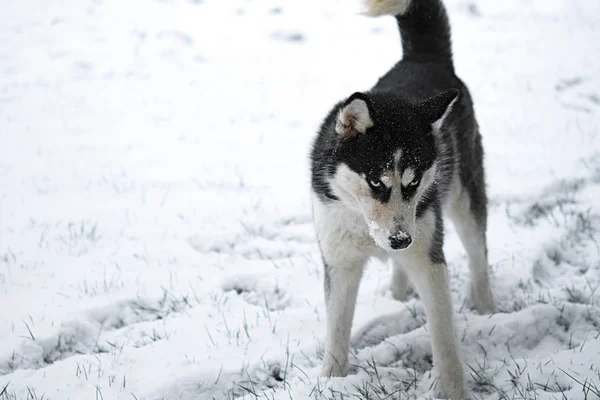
(423, 24)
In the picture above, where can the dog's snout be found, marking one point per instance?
(400, 240)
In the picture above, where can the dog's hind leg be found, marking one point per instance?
(469, 218)
(400, 284)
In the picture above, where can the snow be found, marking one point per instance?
(156, 239)
(401, 235)
(379, 234)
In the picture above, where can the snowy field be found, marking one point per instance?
(155, 224)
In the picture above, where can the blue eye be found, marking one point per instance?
(375, 183)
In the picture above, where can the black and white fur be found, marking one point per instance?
(385, 165)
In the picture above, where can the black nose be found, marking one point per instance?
(400, 240)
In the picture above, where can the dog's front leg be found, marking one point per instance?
(431, 282)
(341, 289)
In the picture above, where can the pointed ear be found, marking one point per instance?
(354, 117)
(435, 109)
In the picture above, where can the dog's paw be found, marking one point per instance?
(400, 293)
(404, 294)
(481, 299)
(451, 386)
(332, 371)
(461, 394)
(438, 392)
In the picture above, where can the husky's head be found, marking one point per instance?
(386, 160)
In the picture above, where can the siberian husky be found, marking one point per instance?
(386, 164)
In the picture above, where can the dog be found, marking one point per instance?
(386, 165)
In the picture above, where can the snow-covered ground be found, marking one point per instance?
(155, 223)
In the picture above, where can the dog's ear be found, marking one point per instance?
(354, 117)
(435, 109)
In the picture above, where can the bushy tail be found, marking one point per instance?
(423, 24)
